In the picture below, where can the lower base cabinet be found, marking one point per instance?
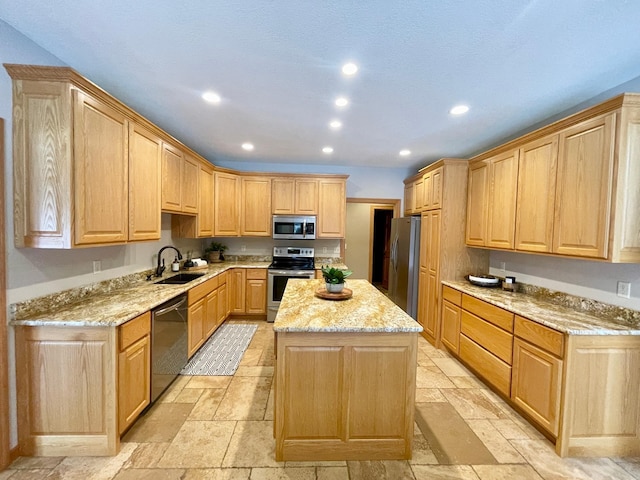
(207, 310)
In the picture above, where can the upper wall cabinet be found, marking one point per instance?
(423, 192)
(255, 207)
(332, 207)
(294, 196)
(226, 205)
(200, 225)
(577, 186)
(180, 174)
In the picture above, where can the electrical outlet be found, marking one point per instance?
(243, 248)
(97, 266)
(324, 249)
(624, 289)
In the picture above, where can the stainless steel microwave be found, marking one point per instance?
(294, 227)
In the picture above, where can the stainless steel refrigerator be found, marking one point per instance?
(404, 260)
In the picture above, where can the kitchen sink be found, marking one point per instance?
(180, 279)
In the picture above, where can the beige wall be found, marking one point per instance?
(357, 243)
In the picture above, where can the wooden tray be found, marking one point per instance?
(321, 292)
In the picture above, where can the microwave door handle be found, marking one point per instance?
(304, 228)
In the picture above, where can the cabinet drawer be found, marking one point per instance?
(134, 330)
(487, 365)
(202, 290)
(452, 295)
(222, 278)
(256, 274)
(488, 336)
(544, 337)
(488, 312)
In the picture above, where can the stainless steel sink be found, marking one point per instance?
(180, 279)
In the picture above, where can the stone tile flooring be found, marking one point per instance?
(221, 428)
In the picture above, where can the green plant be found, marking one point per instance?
(215, 247)
(334, 275)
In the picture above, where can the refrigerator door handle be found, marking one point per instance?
(394, 254)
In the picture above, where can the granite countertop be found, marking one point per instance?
(368, 310)
(558, 317)
(115, 307)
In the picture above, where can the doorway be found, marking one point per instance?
(381, 247)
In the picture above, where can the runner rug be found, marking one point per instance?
(221, 354)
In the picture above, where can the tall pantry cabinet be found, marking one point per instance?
(443, 253)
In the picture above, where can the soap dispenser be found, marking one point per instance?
(175, 266)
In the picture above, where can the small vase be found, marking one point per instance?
(334, 287)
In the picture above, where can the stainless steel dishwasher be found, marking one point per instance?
(168, 343)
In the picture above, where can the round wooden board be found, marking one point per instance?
(343, 295)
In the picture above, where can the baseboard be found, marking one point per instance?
(14, 453)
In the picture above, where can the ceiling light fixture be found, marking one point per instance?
(349, 69)
(404, 153)
(342, 102)
(211, 97)
(335, 124)
(248, 146)
(327, 150)
(459, 110)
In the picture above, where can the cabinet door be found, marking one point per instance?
(408, 199)
(134, 382)
(205, 206)
(172, 164)
(223, 304)
(100, 172)
(211, 312)
(236, 290)
(537, 166)
(503, 179)
(332, 208)
(425, 230)
(226, 205)
(255, 211)
(282, 196)
(190, 177)
(583, 190)
(436, 188)
(419, 195)
(145, 150)
(536, 384)
(196, 321)
(306, 196)
(423, 297)
(477, 204)
(256, 296)
(451, 326)
(433, 248)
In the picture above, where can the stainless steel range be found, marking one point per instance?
(288, 262)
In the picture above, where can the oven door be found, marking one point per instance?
(276, 283)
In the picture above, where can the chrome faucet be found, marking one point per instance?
(160, 268)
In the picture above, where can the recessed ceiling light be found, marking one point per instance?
(349, 69)
(405, 152)
(459, 110)
(342, 102)
(327, 150)
(335, 124)
(211, 97)
(247, 146)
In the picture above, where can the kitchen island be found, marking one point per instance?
(345, 375)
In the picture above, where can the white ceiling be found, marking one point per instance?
(276, 65)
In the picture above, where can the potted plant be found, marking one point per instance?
(334, 278)
(214, 252)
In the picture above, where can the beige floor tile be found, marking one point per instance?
(198, 444)
(33, 474)
(424, 360)
(472, 404)
(444, 472)
(254, 371)
(210, 381)
(217, 474)
(432, 377)
(429, 395)
(269, 410)
(172, 392)
(95, 468)
(188, 395)
(380, 470)
(506, 472)
(510, 429)
(146, 455)
(160, 424)
(467, 382)
(267, 358)
(421, 452)
(251, 356)
(332, 473)
(35, 463)
(451, 367)
(283, 473)
(499, 446)
(206, 406)
(318, 463)
(150, 474)
(252, 445)
(4, 475)
(631, 465)
(245, 399)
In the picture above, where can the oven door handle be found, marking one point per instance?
(291, 273)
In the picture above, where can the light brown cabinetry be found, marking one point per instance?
(451, 318)
(332, 208)
(432, 221)
(134, 370)
(237, 279)
(180, 174)
(295, 196)
(477, 204)
(255, 208)
(419, 195)
(227, 205)
(409, 201)
(207, 310)
(248, 291)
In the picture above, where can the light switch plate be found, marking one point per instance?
(624, 289)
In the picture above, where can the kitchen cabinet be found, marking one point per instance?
(503, 178)
(295, 196)
(145, 150)
(332, 207)
(255, 209)
(409, 201)
(419, 194)
(211, 308)
(200, 225)
(431, 223)
(477, 204)
(180, 174)
(535, 205)
(204, 314)
(435, 196)
(223, 299)
(196, 316)
(134, 370)
(451, 318)
(236, 285)
(226, 205)
(256, 291)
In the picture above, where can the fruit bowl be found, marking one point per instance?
(483, 280)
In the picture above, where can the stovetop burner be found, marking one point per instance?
(293, 258)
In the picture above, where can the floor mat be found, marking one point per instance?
(221, 354)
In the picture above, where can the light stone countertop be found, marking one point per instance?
(558, 317)
(367, 311)
(116, 307)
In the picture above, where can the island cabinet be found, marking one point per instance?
(575, 181)
(294, 196)
(207, 310)
(180, 175)
(332, 207)
(343, 390)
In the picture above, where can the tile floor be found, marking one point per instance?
(220, 428)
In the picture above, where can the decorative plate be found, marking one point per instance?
(321, 292)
